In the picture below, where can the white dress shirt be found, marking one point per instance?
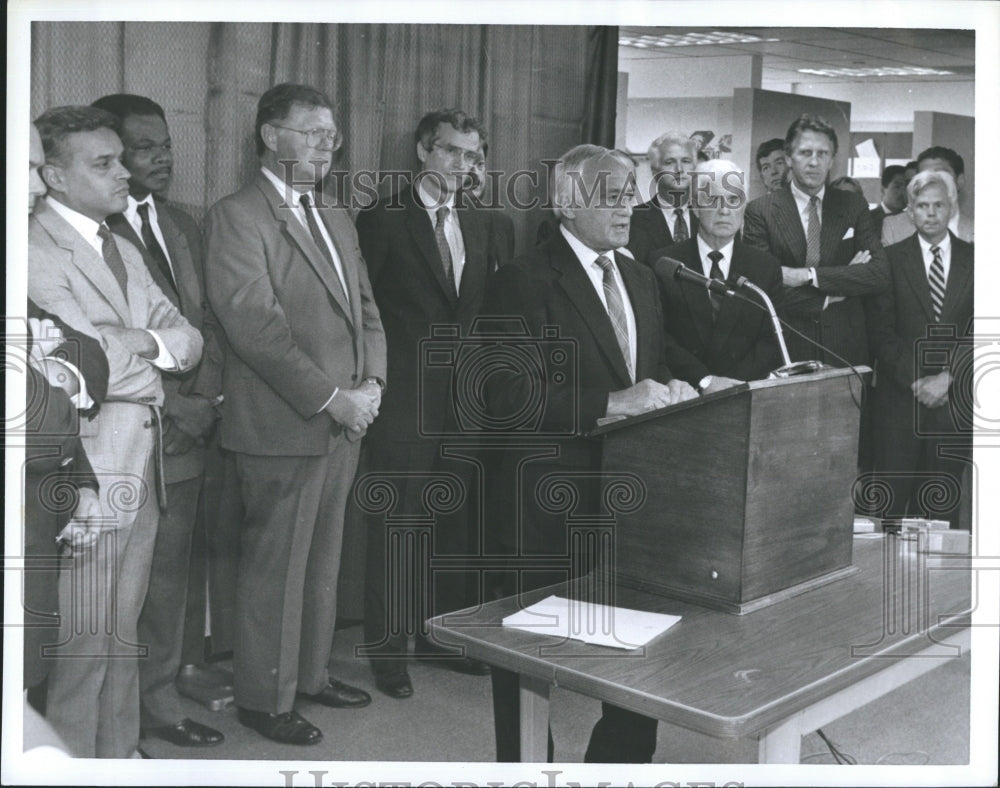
(452, 229)
(668, 214)
(945, 247)
(706, 263)
(132, 216)
(588, 259)
(88, 228)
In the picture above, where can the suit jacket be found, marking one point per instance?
(184, 247)
(740, 343)
(67, 276)
(900, 226)
(772, 224)
(408, 279)
(291, 336)
(878, 215)
(82, 351)
(900, 318)
(582, 364)
(649, 230)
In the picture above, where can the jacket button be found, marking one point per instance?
(148, 424)
(354, 376)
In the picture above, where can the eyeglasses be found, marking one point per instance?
(469, 157)
(315, 136)
(149, 151)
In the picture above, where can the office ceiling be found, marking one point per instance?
(903, 53)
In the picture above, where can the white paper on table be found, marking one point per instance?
(601, 625)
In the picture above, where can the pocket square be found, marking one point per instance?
(848, 234)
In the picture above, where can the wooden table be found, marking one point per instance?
(775, 674)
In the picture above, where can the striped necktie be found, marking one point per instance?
(935, 278)
(680, 227)
(113, 258)
(812, 234)
(616, 311)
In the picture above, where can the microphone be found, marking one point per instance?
(677, 270)
(788, 369)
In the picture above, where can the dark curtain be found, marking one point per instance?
(601, 87)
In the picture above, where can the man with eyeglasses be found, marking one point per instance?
(429, 255)
(171, 247)
(304, 372)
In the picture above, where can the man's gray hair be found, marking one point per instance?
(664, 141)
(922, 180)
(566, 187)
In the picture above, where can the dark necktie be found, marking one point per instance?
(935, 279)
(153, 246)
(716, 273)
(616, 311)
(680, 228)
(812, 234)
(113, 258)
(319, 240)
(443, 248)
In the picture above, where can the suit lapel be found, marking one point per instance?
(960, 280)
(916, 276)
(732, 309)
(86, 258)
(189, 288)
(789, 225)
(422, 231)
(302, 238)
(644, 312)
(696, 298)
(834, 224)
(332, 221)
(474, 273)
(120, 226)
(580, 291)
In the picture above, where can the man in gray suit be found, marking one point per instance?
(304, 369)
(100, 286)
(170, 243)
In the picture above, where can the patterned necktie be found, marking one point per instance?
(443, 248)
(319, 240)
(812, 234)
(680, 227)
(616, 311)
(716, 273)
(935, 279)
(113, 258)
(153, 246)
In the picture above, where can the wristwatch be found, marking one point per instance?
(377, 381)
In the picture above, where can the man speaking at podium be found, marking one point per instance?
(604, 305)
(727, 340)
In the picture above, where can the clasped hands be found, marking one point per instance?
(356, 408)
(647, 395)
(84, 527)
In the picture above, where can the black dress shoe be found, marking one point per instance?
(286, 728)
(187, 733)
(395, 685)
(338, 695)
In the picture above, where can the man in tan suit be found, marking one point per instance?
(304, 369)
(100, 286)
(171, 248)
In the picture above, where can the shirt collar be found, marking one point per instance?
(944, 246)
(132, 209)
(801, 198)
(84, 225)
(286, 191)
(584, 253)
(704, 249)
(430, 203)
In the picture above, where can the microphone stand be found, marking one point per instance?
(788, 369)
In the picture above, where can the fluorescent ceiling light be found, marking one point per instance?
(883, 71)
(717, 37)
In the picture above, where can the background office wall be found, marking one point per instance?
(534, 87)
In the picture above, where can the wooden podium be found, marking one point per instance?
(748, 491)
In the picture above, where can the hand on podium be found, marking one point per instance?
(647, 395)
